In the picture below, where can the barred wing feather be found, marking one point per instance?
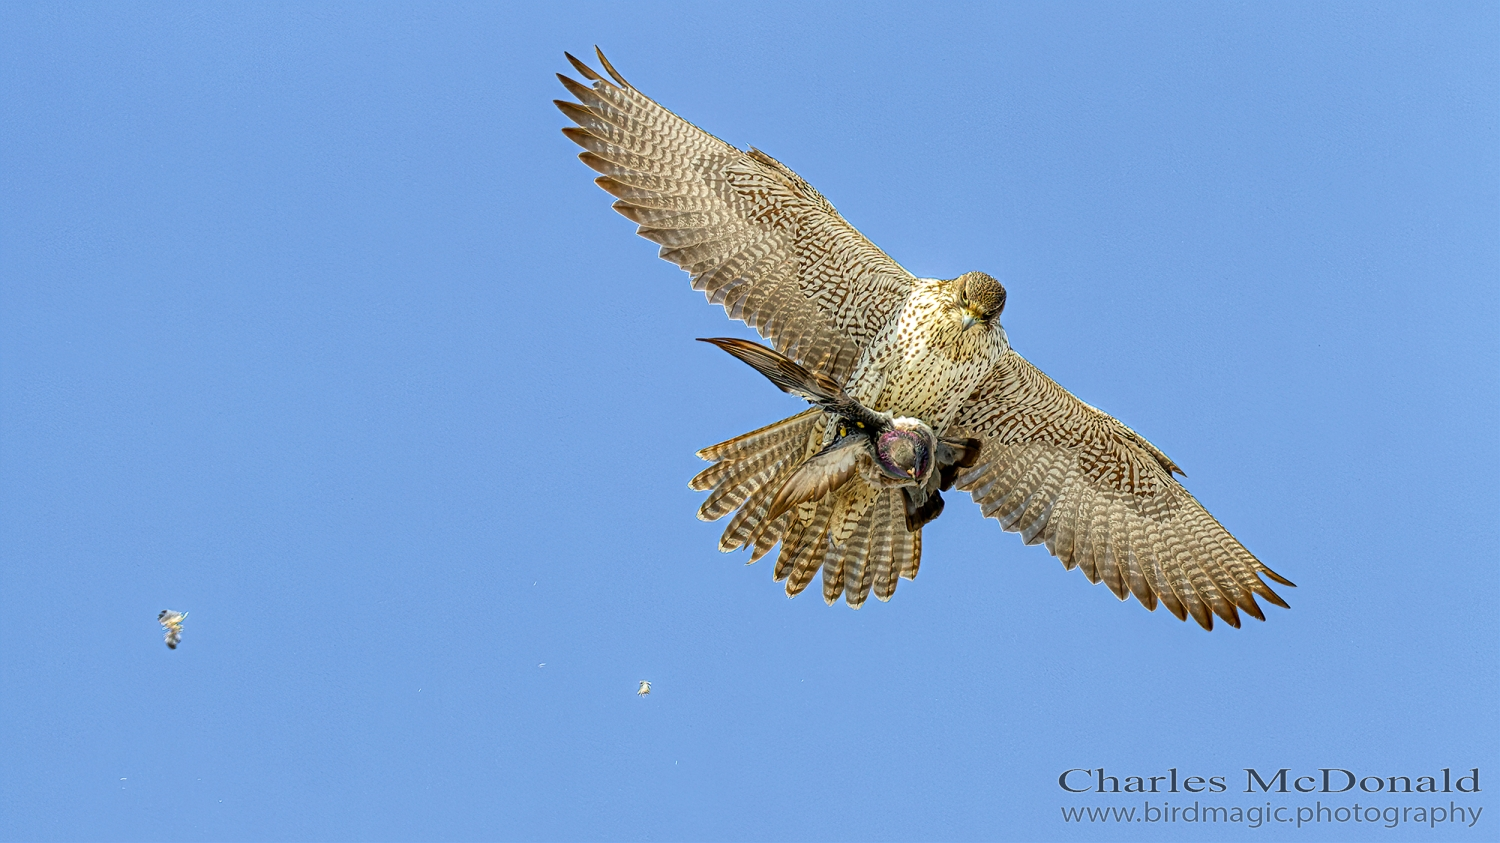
(754, 236)
(1103, 499)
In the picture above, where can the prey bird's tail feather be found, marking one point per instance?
(793, 378)
(788, 375)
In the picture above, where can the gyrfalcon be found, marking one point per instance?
(763, 243)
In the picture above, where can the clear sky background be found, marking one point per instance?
(313, 326)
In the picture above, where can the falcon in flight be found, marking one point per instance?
(925, 359)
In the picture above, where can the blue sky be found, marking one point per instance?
(312, 325)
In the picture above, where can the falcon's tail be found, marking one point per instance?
(747, 473)
(865, 546)
(855, 534)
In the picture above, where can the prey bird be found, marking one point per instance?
(927, 358)
(888, 451)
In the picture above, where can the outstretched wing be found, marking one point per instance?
(814, 387)
(755, 237)
(1102, 498)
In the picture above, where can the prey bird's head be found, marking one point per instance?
(978, 300)
(906, 450)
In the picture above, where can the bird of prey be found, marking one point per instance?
(172, 622)
(644, 689)
(760, 241)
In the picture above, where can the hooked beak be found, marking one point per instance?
(969, 320)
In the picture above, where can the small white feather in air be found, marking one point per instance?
(172, 622)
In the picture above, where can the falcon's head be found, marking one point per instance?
(978, 299)
(905, 452)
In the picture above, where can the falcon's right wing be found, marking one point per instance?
(1056, 470)
(755, 237)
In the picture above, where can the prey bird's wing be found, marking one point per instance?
(1102, 498)
(792, 378)
(753, 235)
(822, 473)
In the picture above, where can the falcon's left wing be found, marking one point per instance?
(754, 235)
(1102, 498)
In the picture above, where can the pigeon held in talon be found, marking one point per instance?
(888, 451)
(925, 360)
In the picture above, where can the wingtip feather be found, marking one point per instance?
(584, 70)
(610, 69)
(1277, 577)
(1275, 598)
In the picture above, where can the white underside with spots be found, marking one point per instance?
(923, 364)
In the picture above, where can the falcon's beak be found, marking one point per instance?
(969, 320)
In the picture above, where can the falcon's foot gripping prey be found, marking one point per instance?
(926, 358)
(888, 451)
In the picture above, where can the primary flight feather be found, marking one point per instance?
(930, 354)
